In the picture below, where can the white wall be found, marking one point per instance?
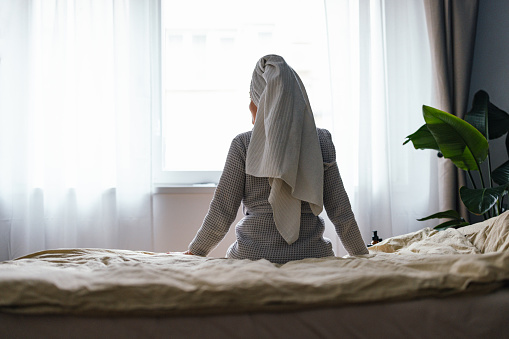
(178, 214)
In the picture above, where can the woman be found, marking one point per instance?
(283, 171)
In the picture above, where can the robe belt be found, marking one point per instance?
(267, 209)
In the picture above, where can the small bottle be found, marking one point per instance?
(375, 239)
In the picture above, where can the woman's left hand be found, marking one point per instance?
(186, 252)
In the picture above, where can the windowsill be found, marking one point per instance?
(183, 189)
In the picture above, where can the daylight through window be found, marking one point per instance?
(207, 63)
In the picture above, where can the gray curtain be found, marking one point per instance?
(451, 28)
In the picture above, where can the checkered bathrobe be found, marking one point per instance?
(257, 236)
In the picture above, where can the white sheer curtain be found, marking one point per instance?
(76, 94)
(381, 77)
(78, 80)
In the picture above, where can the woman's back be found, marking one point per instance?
(257, 235)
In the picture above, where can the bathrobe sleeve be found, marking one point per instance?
(336, 202)
(226, 202)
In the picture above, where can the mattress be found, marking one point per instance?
(460, 316)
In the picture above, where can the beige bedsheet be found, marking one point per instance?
(100, 281)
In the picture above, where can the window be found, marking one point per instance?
(207, 62)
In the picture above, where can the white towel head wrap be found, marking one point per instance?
(284, 145)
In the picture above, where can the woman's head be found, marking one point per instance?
(261, 74)
(275, 83)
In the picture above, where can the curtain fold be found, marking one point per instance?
(380, 70)
(76, 97)
(452, 28)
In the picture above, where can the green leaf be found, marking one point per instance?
(507, 144)
(451, 223)
(487, 118)
(501, 174)
(450, 214)
(422, 139)
(458, 140)
(498, 121)
(456, 222)
(479, 201)
(478, 115)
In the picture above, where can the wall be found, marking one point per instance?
(491, 63)
(178, 214)
(491, 60)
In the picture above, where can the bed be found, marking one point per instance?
(422, 284)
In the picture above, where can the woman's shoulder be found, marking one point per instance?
(323, 134)
(244, 135)
(326, 145)
(242, 139)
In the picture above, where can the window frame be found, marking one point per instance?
(166, 178)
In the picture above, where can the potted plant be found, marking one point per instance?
(466, 144)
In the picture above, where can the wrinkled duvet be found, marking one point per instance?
(101, 281)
